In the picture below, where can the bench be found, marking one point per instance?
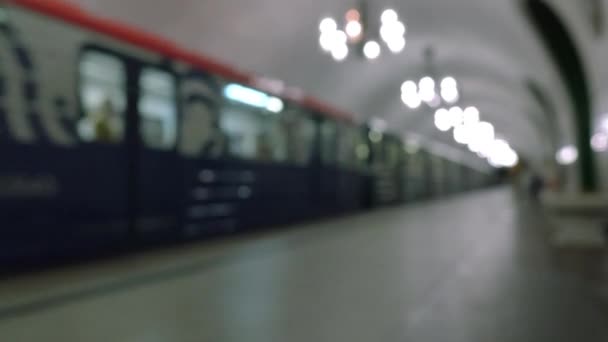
(578, 220)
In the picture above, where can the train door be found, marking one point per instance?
(438, 176)
(386, 151)
(145, 95)
(394, 163)
(54, 199)
(98, 187)
(415, 175)
(156, 173)
(362, 164)
(427, 162)
(328, 171)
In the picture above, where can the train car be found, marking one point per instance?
(112, 138)
(386, 165)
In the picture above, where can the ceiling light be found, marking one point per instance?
(474, 146)
(427, 89)
(456, 116)
(599, 142)
(511, 159)
(426, 83)
(392, 30)
(328, 25)
(435, 102)
(442, 126)
(471, 116)
(353, 29)
(427, 94)
(484, 132)
(461, 134)
(331, 39)
(409, 87)
(353, 15)
(371, 50)
(449, 95)
(448, 82)
(507, 158)
(339, 52)
(411, 100)
(341, 37)
(442, 120)
(567, 155)
(414, 103)
(326, 40)
(501, 154)
(388, 16)
(481, 137)
(396, 45)
(354, 32)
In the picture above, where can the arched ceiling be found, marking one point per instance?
(487, 45)
(593, 47)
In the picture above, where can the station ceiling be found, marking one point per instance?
(489, 46)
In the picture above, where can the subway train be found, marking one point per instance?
(113, 139)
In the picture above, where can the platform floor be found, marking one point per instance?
(469, 268)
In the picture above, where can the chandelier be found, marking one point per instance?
(479, 136)
(430, 92)
(442, 96)
(358, 35)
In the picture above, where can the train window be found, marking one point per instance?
(103, 97)
(242, 130)
(200, 134)
(328, 142)
(353, 150)
(345, 146)
(377, 146)
(437, 170)
(158, 109)
(253, 133)
(300, 129)
(393, 153)
(415, 166)
(362, 149)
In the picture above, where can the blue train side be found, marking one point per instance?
(107, 145)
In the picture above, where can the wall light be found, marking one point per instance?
(599, 142)
(567, 155)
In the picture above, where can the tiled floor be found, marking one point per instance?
(468, 269)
